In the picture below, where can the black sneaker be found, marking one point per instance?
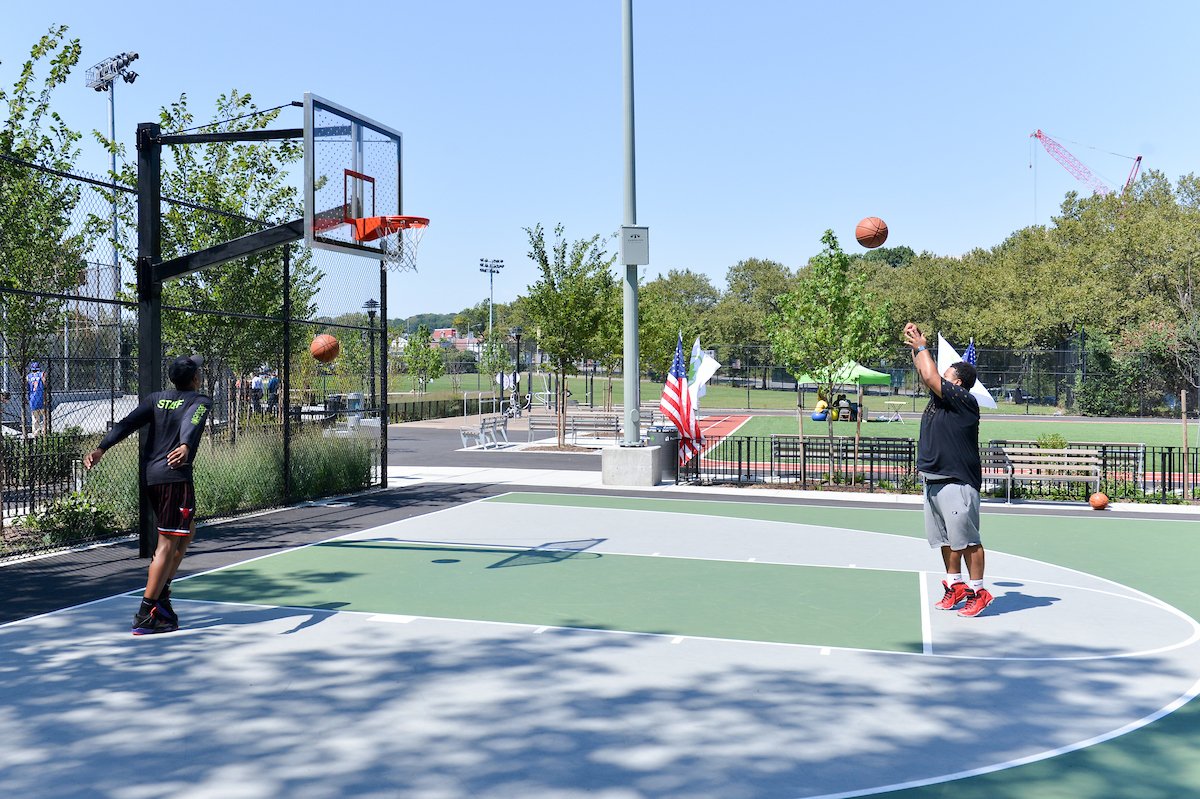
(151, 623)
(164, 609)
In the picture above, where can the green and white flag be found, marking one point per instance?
(701, 368)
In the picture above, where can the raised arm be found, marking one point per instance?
(923, 358)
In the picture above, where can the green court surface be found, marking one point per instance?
(638, 647)
(765, 602)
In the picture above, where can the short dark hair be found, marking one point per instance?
(966, 373)
(183, 370)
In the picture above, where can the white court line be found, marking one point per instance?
(817, 502)
(251, 560)
(1179, 702)
(926, 625)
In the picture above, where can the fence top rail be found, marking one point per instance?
(1117, 445)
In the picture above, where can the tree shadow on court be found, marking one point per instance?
(353, 707)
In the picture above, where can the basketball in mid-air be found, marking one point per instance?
(1098, 501)
(871, 232)
(325, 348)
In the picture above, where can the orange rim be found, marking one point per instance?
(376, 227)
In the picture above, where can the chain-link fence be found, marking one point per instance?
(284, 427)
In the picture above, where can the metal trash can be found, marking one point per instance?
(335, 403)
(667, 437)
(354, 408)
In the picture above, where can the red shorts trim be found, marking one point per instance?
(175, 507)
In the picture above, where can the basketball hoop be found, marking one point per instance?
(401, 236)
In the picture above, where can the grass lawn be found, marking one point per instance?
(718, 396)
(1159, 434)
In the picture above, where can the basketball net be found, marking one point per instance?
(401, 235)
(400, 249)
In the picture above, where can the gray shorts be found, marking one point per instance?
(951, 515)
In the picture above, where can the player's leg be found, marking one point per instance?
(954, 590)
(964, 536)
(148, 619)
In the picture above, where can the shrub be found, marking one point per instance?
(1052, 441)
(69, 520)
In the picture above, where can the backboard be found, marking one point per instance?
(352, 169)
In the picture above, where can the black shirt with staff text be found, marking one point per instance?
(175, 417)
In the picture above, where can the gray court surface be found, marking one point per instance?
(253, 701)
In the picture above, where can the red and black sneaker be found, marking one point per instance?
(954, 594)
(976, 602)
(152, 622)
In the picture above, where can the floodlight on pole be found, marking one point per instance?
(101, 77)
(493, 268)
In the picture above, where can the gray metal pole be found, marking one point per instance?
(631, 369)
(112, 137)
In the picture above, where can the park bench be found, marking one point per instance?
(588, 423)
(1035, 465)
(489, 433)
(1122, 462)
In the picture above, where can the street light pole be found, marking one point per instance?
(371, 306)
(516, 334)
(103, 77)
(492, 267)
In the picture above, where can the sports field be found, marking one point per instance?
(1158, 434)
(570, 645)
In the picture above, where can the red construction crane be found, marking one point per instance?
(1077, 168)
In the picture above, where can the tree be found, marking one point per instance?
(39, 247)
(425, 362)
(494, 358)
(830, 319)
(677, 301)
(738, 322)
(234, 309)
(568, 302)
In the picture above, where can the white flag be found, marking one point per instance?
(947, 357)
(701, 368)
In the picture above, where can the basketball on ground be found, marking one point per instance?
(871, 232)
(325, 348)
(1098, 501)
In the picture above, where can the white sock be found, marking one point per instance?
(975, 585)
(951, 579)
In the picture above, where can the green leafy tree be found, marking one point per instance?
(39, 249)
(677, 301)
(425, 362)
(568, 302)
(248, 184)
(828, 320)
(738, 322)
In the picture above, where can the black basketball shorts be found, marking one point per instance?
(175, 506)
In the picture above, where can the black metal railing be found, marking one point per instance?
(1131, 472)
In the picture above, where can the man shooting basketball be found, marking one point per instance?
(176, 418)
(948, 462)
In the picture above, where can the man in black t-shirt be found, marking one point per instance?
(948, 463)
(176, 418)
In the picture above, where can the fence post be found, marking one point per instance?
(286, 388)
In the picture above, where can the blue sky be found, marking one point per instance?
(759, 123)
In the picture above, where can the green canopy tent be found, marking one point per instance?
(853, 373)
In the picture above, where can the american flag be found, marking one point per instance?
(969, 355)
(676, 405)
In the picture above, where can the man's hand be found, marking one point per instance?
(178, 456)
(913, 336)
(92, 458)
